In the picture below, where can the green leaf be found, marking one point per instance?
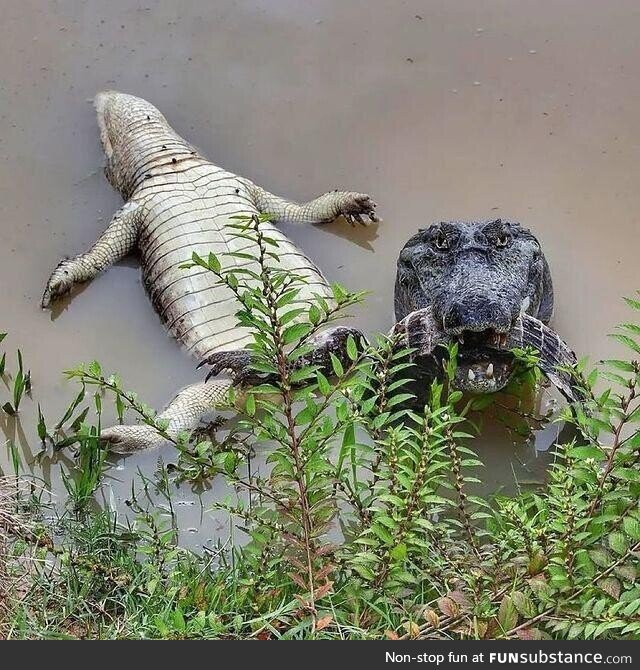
(250, 404)
(323, 384)
(399, 552)
(178, 620)
(314, 315)
(18, 389)
(336, 365)
(631, 527)
(340, 294)
(623, 366)
(295, 332)
(230, 462)
(586, 452)
(364, 572)
(291, 315)
(627, 474)
(213, 263)
(352, 349)
(94, 369)
(600, 557)
(627, 341)
(632, 328)
(119, 407)
(42, 426)
(71, 409)
(618, 542)
(288, 297)
(523, 604)
(635, 304)
(507, 614)
(306, 415)
(198, 260)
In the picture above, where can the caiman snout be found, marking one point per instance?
(476, 315)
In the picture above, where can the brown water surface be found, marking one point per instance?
(440, 109)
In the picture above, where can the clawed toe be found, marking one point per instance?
(60, 283)
(360, 209)
(237, 364)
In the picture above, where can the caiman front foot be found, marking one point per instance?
(237, 364)
(60, 282)
(357, 208)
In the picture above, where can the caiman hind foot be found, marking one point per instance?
(128, 439)
(183, 413)
(237, 364)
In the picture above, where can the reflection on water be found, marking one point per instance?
(440, 110)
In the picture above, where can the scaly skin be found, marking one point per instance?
(481, 282)
(179, 202)
(476, 277)
(421, 332)
(184, 412)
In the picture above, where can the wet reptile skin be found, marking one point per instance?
(178, 202)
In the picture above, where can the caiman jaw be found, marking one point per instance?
(484, 363)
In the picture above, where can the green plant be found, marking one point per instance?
(366, 524)
(21, 382)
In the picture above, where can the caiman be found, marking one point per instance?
(485, 284)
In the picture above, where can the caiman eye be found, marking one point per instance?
(502, 240)
(441, 241)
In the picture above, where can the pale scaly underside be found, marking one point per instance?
(178, 202)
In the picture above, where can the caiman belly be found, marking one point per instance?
(185, 216)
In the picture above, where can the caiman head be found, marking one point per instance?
(477, 283)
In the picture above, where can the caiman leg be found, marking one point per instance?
(184, 412)
(237, 363)
(118, 240)
(354, 207)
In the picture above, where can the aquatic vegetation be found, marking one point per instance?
(366, 525)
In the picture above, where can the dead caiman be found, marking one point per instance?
(178, 202)
(484, 284)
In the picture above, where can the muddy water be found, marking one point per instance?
(439, 109)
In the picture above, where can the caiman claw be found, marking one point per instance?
(357, 208)
(237, 364)
(60, 283)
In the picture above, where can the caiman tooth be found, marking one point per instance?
(471, 375)
(489, 372)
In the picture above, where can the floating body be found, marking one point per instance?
(485, 285)
(178, 202)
